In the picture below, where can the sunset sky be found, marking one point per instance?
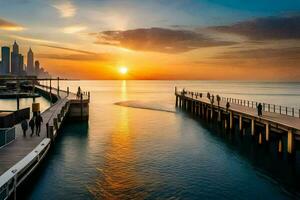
(158, 39)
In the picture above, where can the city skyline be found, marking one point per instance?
(214, 40)
(12, 63)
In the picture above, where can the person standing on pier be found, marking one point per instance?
(38, 122)
(227, 106)
(208, 95)
(218, 100)
(78, 92)
(259, 109)
(31, 124)
(24, 126)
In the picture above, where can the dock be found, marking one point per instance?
(279, 121)
(19, 158)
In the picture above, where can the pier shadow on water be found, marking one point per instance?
(74, 137)
(275, 167)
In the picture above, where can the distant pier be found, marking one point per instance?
(19, 158)
(279, 121)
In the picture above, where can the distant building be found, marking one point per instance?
(30, 61)
(5, 62)
(21, 65)
(15, 63)
(37, 67)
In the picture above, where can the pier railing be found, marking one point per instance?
(7, 135)
(267, 107)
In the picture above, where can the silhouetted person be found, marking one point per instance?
(208, 95)
(78, 92)
(212, 100)
(24, 126)
(31, 124)
(38, 122)
(227, 106)
(259, 109)
(218, 100)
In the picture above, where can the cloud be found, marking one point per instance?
(73, 29)
(66, 9)
(30, 39)
(158, 40)
(69, 49)
(10, 26)
(76, 57)
(269, 28)
(283, 54)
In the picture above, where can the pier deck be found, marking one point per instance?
(281, 119)
(21, 146)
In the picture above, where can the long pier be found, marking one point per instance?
(19, 158)
(286, 125)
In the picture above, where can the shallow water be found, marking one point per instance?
(131, 153)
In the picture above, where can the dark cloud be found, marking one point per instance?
(158, 40)
(292, 53)
(270, 28)
(7, 25)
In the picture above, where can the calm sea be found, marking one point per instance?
(158, 153)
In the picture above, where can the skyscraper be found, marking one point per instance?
(37, 67)
(5, 55)
(15, 64)
(21, 65)
(30, 61)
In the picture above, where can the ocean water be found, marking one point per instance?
(137, 146)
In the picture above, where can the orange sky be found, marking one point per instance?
(92, 40)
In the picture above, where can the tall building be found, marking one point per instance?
(37, 67)
(21, 65)
(30, 61)
(15, 63)
(5, 55)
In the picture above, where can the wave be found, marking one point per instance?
(154, 105)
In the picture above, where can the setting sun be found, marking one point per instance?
(123, 70)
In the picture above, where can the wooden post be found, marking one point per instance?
(286, 110)
(176, 104)
(230, 120)
(57, 86)
(259, 139)
(18, 102)
(81, 107)
(252, 127)
(290, 142)
(50, 91)
(268, 107)
(267, 131)
(280, 109)
(274, 108)
(293, 112)
(68, 91)
(219, 115)
(240, 122)
(47, 129)
(280, 146)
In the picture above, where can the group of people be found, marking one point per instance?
(34, 123)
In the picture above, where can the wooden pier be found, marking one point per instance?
(285, 125)
(19, 158)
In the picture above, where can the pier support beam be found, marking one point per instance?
(230, 120)
(252, 127)
(267, 132)
(290, 142)
(219, 115)
(240, 122)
